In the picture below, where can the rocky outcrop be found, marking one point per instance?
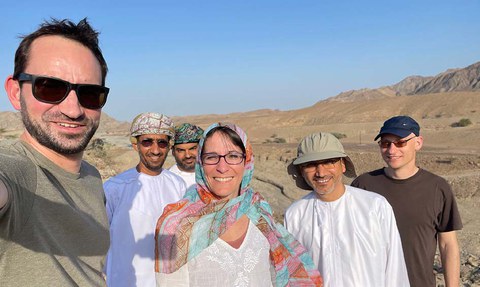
(364, 95)
(410, 84)
(466, 79)
(452, 80)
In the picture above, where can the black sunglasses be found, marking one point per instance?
(54, 91)
(149, 143)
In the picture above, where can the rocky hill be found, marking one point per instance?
(409, 85)
(466, 79)
(109, 125)
(452, 80)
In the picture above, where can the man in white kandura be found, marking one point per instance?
(350, 233)
(135, 201)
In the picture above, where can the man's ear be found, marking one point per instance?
(12, 87)
(135, 146)
(418, 143)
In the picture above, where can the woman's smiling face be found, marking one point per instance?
(223, 179)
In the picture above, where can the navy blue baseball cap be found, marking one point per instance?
(400, 126)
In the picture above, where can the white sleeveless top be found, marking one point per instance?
(222, 265)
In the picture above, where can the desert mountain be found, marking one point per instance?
(109, 125)
(466, 79)
(435, 101)
(451, 80)
(409, 85)
(364, 95)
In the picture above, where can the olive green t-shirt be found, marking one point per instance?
(54, 228)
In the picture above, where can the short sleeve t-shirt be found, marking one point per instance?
(424, 205)
(54, 228)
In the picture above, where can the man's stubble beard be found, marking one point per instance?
(184, 167)
(45, 137)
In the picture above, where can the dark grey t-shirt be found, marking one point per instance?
(54, 228)
(424, 205)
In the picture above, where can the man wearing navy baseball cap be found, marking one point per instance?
(423, 203)
(401, 126)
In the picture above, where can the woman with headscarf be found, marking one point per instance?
(223, 233)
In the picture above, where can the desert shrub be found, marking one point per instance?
(465, 122)
(462, 123)
(275, 140)
(98, 147)
(97, 143)
(339, 135)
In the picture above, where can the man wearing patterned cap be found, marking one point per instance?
(135, 200)
(184, 150)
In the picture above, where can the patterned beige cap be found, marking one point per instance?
(152, 123)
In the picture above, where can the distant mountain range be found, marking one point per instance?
(452, 80)
(455, 92)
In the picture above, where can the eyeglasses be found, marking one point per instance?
(230, 158)
(149, 143)
(399, 143)
(54, 91)
(312, 165)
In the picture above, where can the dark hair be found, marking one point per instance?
(81, 32)
(229, 133)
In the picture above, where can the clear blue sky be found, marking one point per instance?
(186, 57)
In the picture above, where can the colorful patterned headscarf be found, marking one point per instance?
(189, 226)
(187, 133)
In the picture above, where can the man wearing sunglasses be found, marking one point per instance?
(423, 203)
(185, 151)
(135, 201)
(53, 225)
(350, 233)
